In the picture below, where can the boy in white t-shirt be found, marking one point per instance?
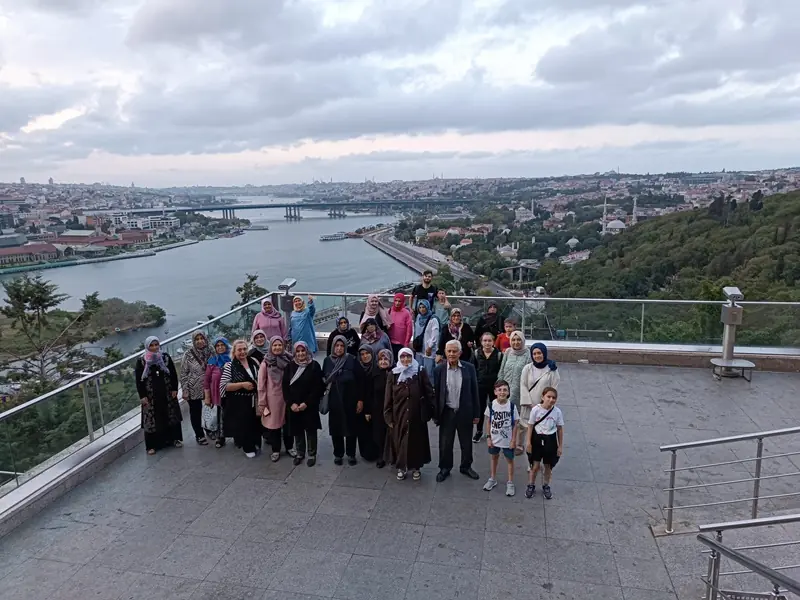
(502, 424)
(545, 441)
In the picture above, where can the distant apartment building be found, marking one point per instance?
(159, 222)
(28, 254)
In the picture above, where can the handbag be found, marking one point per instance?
(324, 403)
(210, 418)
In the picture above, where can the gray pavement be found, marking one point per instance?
(204, 523)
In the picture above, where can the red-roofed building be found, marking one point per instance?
(29, 253)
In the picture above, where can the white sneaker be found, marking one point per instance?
(490, 484)
(250, 454)
(510, 489)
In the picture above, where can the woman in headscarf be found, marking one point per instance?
(442, 308)
(408, 406)
(302, 326)
(486, 360)
(490, 322)
(366, 441)
(344, 378)
(211, 391)
(514, 361)
(238, 388)
(271, 403)
(374, 310)
(270, 321)
(539, 374)
(426, 337)
(259, 347)
(374, 405)
(402, 329)
(193, 374)
(374, 337)
(457, 330)
(302, 389)
(157, 384)
(351, 335)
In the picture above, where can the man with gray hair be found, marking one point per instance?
(457, 409)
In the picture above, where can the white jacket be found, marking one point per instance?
(546, 378)
(431, 337)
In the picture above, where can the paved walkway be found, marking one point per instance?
(203, 523)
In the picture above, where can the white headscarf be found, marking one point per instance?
(406, 372)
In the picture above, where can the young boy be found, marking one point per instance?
(501, 428)
(545, 441)
(503, 342)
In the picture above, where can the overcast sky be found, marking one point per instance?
(174, 92)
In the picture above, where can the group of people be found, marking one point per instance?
(380, 385)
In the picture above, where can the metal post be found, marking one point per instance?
(344, 310)
(757, 477)
(88, 410)
(11, 453)
(715, 569)
(673, 461)
(641, 330)
(100, 404)
(522, 325)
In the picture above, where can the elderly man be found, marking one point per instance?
(457, 409)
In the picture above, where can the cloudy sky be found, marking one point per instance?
(165, 92)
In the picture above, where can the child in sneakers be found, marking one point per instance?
(545, 441)
(502, 424)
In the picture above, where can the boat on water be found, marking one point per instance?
(331, 237)
(257, 228)
(117, 329)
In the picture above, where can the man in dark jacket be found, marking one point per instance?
(457, 410)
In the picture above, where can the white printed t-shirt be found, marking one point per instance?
(548, 425)
(500, 423)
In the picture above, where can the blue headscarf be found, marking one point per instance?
(545, 362)
(219, 360)
(422, 320)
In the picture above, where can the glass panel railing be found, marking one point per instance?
(117, 394)
(776, 325)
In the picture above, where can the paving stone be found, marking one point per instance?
(581, 562)
(35, 579)
(311, 572)
(577, 525)
(249, 563)
(173, 514)
(572, 590)
(225, 591)
(463, 513)
(202, 486)
(496, 585)
(135, 549)
(388, 539)
(79, 544)
(159, 587)
(274, 526)
(349, 502)
(332, 533)
(401, 508)
(515, 554)
(96, 583)
(451, 547)
(189, 557)
(436, 582)
(368, 577)
(301, 497)
(640, 569)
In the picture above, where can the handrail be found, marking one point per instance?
(559, 299)
(776, 578)
(34, 401)
(759, 522)
(729, 439)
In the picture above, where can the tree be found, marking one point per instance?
(250, 290)
(756, 201)
(51, 352)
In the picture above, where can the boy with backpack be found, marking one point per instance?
(545, 441)
(502, 425)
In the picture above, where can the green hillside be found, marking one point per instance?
(692, 255)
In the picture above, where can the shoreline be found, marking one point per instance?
(102, 259)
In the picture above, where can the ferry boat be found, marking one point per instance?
(333, 237)
(257, 228)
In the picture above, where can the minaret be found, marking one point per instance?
(533, 207)
(605, 212)
(633, 217)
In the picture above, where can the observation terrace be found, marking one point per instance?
(86, 514)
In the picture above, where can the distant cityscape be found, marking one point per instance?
(50, 222)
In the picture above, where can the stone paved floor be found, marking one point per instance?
(205, 523)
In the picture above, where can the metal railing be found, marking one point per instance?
(755, 480)
(41, 432)
(616, 319)
(780, 583)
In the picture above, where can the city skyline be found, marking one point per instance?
(159, 93)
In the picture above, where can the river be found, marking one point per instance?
(195, 281)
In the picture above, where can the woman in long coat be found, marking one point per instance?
(344, 378)
(457, 329)
(374, 404)
(238, 388)
(193, 373)
(408, 406)
(302, 389)
(343, 328)
(211, 390)
(366, 437)
(270, 321)
(271, 403)
(157, 384)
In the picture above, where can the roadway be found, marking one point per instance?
(420, 262)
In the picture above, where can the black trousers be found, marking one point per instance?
(395, 350)
(196, 417)
(450, 424)
(310, 435)
(344, 444)
(485, 395)
(284, 434)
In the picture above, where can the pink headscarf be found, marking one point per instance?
(373, 309)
